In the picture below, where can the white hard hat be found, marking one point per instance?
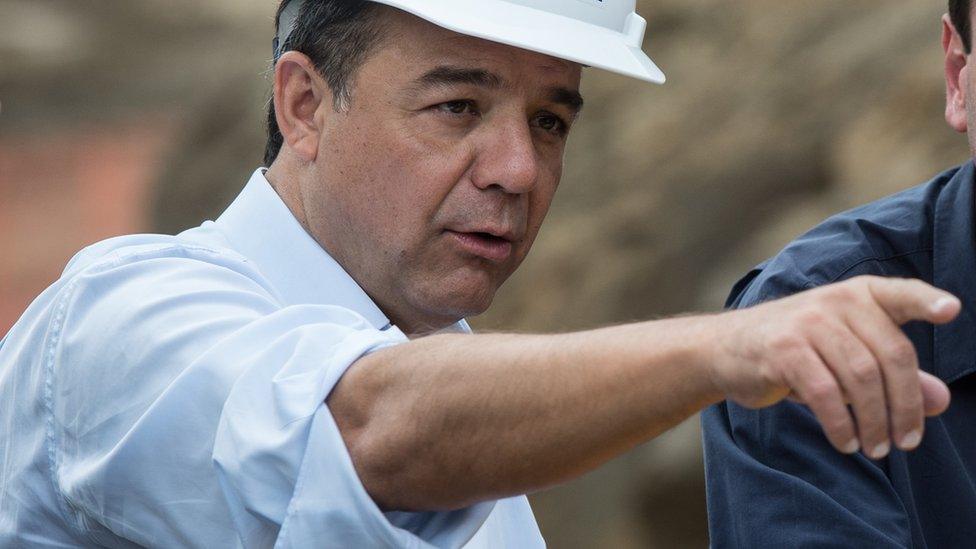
(606, 34)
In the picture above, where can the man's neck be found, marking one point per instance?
(284, 181)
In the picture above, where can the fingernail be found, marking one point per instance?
(881, 450)
(943, 303)
(851, 447)
(911, 440)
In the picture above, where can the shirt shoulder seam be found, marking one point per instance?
(807, 282)
(869, 259)
(50, 358)
(136, 253)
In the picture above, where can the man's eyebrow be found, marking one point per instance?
(567, 97)
(448, 75)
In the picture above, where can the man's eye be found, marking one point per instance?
(551, 123)
(457, 107)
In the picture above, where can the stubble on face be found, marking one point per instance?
(398, 174)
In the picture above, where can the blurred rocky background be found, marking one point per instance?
(147, 115)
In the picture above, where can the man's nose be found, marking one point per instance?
(507, 158)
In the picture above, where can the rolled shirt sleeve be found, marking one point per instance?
(187, 408)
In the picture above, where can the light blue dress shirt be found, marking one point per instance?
(168, 391)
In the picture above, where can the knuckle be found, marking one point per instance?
(813, 314)
(821, 390)
(865, 372)
(786, 342)
(900, 353)
(828, 297)
(845, 293)
(864, 282)
(903, 348)
(875, 288)
(771, 375)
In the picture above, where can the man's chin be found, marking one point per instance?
(463, 306)
(459, 302)
(453, 293)
(437, 315)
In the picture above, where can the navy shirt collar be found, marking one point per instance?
(954, 270)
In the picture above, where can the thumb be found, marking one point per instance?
(935, 394)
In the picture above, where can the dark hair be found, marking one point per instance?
(338, 36)
(959, 11)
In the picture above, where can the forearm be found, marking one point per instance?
(449, 420)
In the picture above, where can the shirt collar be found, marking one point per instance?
(262, 228)
(954, 266)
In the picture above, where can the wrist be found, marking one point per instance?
(694, 345)
(711, 353)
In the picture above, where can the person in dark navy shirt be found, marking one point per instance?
(773, 480)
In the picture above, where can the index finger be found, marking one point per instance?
(905, 300)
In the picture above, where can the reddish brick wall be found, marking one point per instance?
(63, 190)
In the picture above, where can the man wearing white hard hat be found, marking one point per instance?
(298, 373)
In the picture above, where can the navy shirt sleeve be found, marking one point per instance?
(773, 479)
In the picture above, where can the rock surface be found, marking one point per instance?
(775, 115)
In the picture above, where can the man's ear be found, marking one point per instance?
(299, 92)
(956, 76)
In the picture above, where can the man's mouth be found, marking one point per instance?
(483, 244)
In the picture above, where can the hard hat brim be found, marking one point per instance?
(539, 31)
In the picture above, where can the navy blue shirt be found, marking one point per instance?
(773, 479)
